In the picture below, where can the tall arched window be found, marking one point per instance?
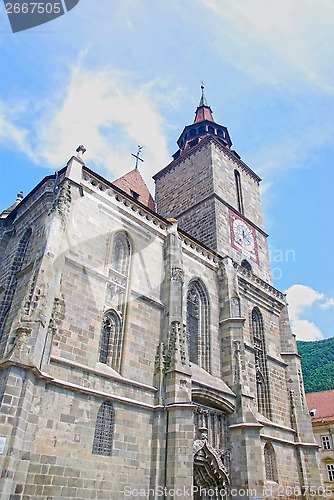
(239, 191)
(263, 401)
(112, 330)
(21, 250)
(104, 430)
(121, 254)
(198, 334)
(16, 266)
(111, 340)
(270, 464)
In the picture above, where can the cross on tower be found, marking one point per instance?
(137, 156)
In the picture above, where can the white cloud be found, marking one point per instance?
(110, 116)
(11, 133)
(301, 297)
(327, 304)
(277, 42)
(103, 110)
(306, 330)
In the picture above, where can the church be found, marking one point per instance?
(144, 351)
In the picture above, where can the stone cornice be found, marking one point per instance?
(95, 371)
(267, 423)
(193, 247)
(251, 348)
(257, 282)
(295, 354)
(236, 321)
(206, 140)
(246, 425)
(105, 188)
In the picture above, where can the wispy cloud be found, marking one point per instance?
(100, 109)
(269, 158)
(12, 134)
(103, 110)
(327, 304)
(277, 42)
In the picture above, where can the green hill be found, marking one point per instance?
(317, 364)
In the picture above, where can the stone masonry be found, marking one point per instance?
(145, 352)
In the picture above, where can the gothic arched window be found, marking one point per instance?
(121, 254)
(270, 464)
(112, 330)
(22, 248)
(198, 325)
(263, 401)
(16, 266)
(104, 430)
(111, 340)
(239, 191)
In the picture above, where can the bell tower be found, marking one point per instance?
(214, 195)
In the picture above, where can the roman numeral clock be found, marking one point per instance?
(243, 237)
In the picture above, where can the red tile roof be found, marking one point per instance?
(323, 402)
(203, 113)
(131, 183)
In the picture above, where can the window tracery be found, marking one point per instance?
(262, 388)
(104, 430)
(198, 325)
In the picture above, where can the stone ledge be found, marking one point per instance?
(114, 376)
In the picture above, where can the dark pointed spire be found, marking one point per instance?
(203, 112)
(203, 101)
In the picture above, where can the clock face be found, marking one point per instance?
(243, 237)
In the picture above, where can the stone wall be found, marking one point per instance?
(52, 383)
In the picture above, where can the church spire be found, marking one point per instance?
(203, 101)
(204, 125)
(203, 112)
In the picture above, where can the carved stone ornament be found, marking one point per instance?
(53, 323)
(177, 274)
(35, 302)
(237, 361)
(160, 357)
(29, 296)
(62, 203)
(221, 272)
(177, 345)
(19, 348)
(259, 377)
(209, 462)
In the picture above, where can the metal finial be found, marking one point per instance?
(137, 156)
(81, 150)
(203, 101)
(19, 196)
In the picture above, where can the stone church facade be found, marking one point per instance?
(145, 352)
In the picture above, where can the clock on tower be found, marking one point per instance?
(243, 237)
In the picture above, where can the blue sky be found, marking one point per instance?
(112, 74)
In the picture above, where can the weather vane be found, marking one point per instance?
(137, 156)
